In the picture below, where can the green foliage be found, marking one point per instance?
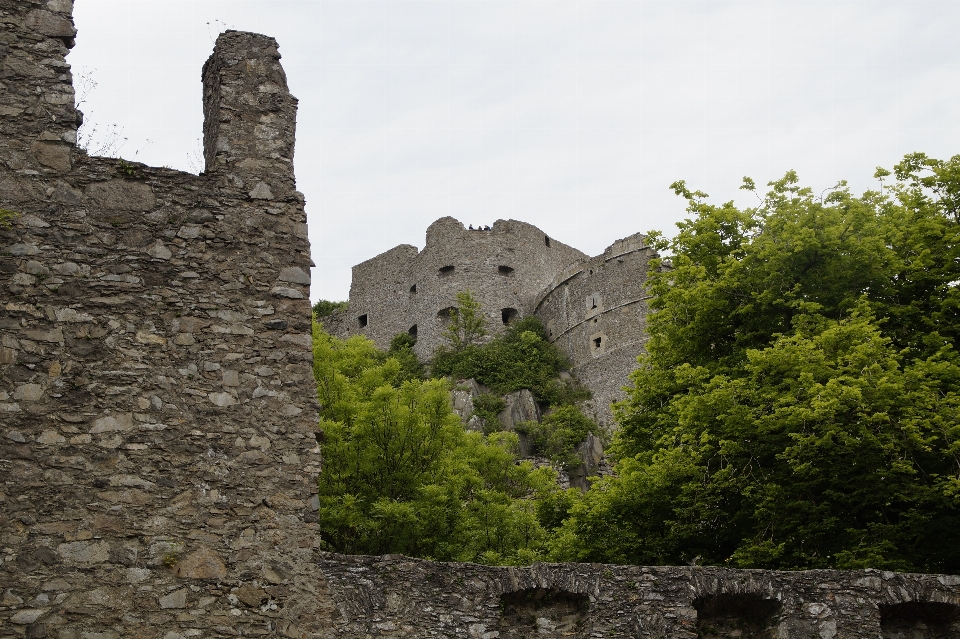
(798, 405)
(466, 326)
(401, 349)
(126, 167)
(6, 216)
(558, 434)
(521, 357)
(488, 406)
(402, 475)
(324, 308)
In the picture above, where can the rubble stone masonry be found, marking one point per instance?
(158, 416)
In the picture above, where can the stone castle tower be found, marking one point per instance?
(158, 419)
(594, 309)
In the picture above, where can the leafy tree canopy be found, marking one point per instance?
(323, 308)
(798, 404)
(520, 357)
(402, 475)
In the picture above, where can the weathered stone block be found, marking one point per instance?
(175, 599)
(202, 563)
(122, 195)
(122, 422)
(54, 155)
(84, 553)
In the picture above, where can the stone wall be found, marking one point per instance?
(596, 312)
(157, 408)
(399, 597)
(594, 309)
(403, 290)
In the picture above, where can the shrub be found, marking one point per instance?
(324, 308)
(559, 434)
(522, 357)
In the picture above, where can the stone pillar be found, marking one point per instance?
(249, 115)
(38, 119)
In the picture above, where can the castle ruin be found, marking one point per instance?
(158, 417)
(594, 309)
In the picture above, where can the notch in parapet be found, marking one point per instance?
(249, 114)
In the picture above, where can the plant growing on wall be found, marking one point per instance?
(521, 357)
(6, 216)
(323, 308)
(466, 326)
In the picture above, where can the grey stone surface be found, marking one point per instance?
(397, 597)
(504, 268)
(143, 479)
(596, 312)
(594, 309)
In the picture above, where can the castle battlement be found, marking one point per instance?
(594, 309)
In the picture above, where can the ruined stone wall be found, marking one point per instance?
(400, 597)
(504, 268)
(157, 408)
(594, 309)
(596, 312)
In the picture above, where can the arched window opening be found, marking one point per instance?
(506, 271)
(444, 314)
(413, 289)
(508, 315)
(546, 240)
(446, 270)
(541, 612)
(745, 615)
(412, 332)
(919, 619)
(362, 320)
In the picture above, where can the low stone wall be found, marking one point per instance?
(400, 597)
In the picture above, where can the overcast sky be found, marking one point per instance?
(572, 115)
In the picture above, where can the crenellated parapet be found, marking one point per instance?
(408, 291)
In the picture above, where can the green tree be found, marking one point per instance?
(323, 308)
(466, 326)
(401, 349)
(798, 405)
(520, 357)
(558, 434)
(401, 474)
